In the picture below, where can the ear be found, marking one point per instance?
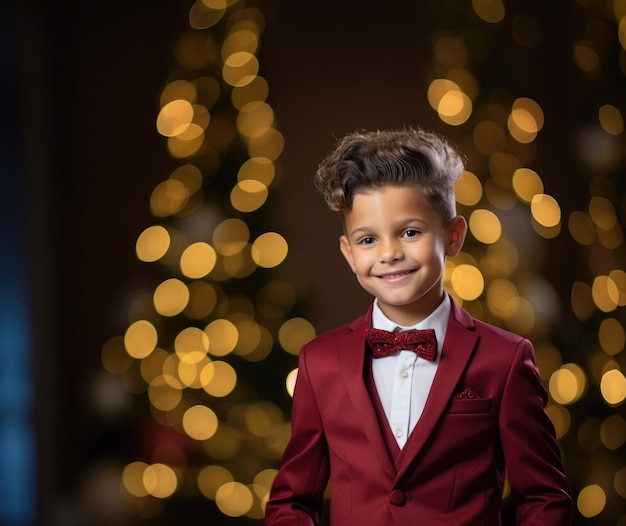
(346, 250)
(457, 230)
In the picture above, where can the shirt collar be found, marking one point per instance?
(437, 320)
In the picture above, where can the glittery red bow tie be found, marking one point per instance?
(385, 343)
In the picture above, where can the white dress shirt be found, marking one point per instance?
(403, 380)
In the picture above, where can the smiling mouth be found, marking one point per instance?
(395, 275)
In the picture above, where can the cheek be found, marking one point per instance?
(362, 264)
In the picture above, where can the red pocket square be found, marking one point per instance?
(468, 392)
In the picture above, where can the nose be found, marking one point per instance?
(390, 250)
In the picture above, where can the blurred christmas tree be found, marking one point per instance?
(535, 95)
(200, 344)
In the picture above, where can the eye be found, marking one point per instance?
(367, 240)
(411, 232)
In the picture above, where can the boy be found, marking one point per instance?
(420, 436)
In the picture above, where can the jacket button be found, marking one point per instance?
(397, 497)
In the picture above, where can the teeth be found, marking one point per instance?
(391, 276)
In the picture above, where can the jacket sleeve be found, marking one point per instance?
(539, 490)
(297, 494)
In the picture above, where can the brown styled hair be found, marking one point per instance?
(411, 157)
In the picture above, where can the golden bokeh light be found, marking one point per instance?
(190, 176)
(454, 108)
(294, 333)
(466, 81)
(602, 212)
(545, 210)
(132, 479)
(618, 276)
(239, 265)
(160, 480)
(491, 11)
(165, 393)
(230, 236)
(450, 52)
(591, 500)
(560, 418)
(168, 198)
(613, 387)
(152, 244)
(269, 250)
(582, 228)
(468, 189)
(582, 300)
(467, 282)
(613, 432)
(290, 381)
(178, 90)
(225, 444)
(250, 335)
(263, 483)
(189, 372)
(448, 100)
(525, 120)
(501, 259)
(269, 145)
(152, 366)
(503, 298)
(586, 57)
(140, 339)
(218, 378)
(198, 260)
(211, 478)
(527, 184)
(524, 319)
(611, 336)
(611, 119)
(262, 417)
(200, 422)
(568, 384)
(223, 336)
(191, 345)
(201, 16)
(549, 359)
(255, 91)
(248, 195)
(255, 119)
(240, 68)
(234, 499)
(171, 297)
(489, 137)
(620, 482)
(605, 293)
(114, 357)
(186, 143)
(257, 169)
(174, 118)
(485, 226)
(242, 40)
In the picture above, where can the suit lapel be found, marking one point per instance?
(457, 348)
(352, 355)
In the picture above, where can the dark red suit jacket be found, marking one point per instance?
(452, 469)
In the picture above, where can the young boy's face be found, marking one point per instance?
(397, 246)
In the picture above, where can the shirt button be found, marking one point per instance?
(404, 373)
(398, 432)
